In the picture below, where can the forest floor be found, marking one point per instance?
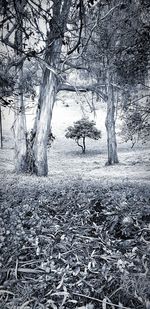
(80, 237)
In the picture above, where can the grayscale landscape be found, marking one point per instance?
(75, 154)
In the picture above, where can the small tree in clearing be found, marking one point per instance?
(81, 129)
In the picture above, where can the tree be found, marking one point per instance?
(62, 22)
(118, 50)
(1, 130)
(64, 44)
(27, 19)
(135, 115)
(59, 42)
(81, 130)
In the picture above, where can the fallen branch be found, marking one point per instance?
(100, 301)
(7, 292)
(26, 303)
(24, 270)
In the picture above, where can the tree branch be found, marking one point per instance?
(80, 31)
(9, 32)
(93, 88)
(75, 66)
(5, 102)
(15, 63)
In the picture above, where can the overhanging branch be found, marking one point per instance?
(92, 88)
(74, 66)
(81, 27)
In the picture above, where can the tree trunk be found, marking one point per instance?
(20, 118)
(110, 127)
(49, 86)
(37, 144)
(77, 141)
(20, 143)
(1, 130)
(48, 89)
(34, 148)
(20, 136)
(84, 144)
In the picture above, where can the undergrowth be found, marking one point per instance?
(77, 245)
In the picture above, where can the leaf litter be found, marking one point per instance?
(80, 244)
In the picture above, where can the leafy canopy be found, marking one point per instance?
(136, 121)
(83, 128)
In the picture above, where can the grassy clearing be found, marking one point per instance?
(66, 162)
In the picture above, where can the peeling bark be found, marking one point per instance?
(20, 136)
(110, 127)
(43, 125)
(1, 130)
(48, 90)
(20, 118)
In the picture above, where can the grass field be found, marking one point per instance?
(65, 157)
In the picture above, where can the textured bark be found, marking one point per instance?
(20, 134)
(43, 125)
(20, 118)
(48, 88)
(1, 130)
(110, 127)
(38, 139)
(20, 137)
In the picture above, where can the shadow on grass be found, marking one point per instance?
(87, 154)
